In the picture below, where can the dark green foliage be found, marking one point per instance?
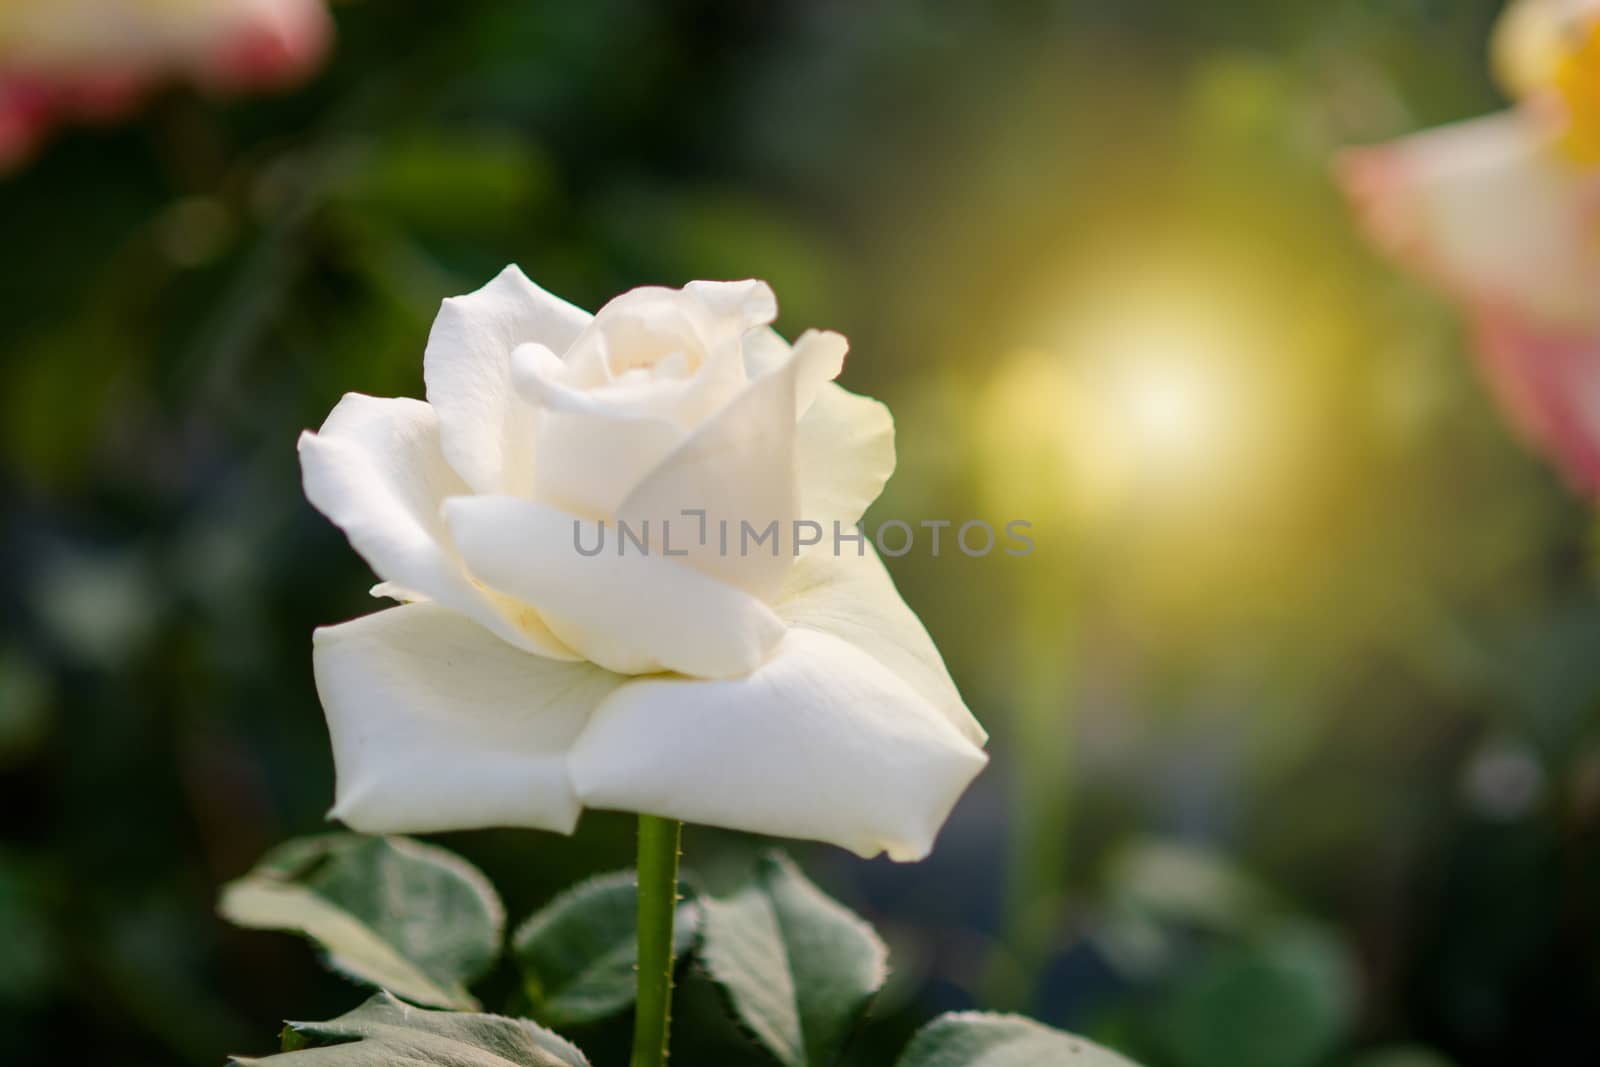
(579, 953)
(798, 968)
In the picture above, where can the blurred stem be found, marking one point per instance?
(1042, 736)
(659, 841)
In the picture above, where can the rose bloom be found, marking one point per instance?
(95, 59)
(781, 690)
(1502, 214)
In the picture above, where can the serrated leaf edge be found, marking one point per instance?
(299, 1026)
(776, 860)
(420, 988)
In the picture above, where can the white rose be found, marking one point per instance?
(522, 680)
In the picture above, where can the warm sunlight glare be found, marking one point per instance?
(1167, 383)
(1156, 389)
(1167, 401)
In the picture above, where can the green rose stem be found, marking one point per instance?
(658, 903)
(1036, 886)
(1042, 738)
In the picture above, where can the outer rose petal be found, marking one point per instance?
(1549, 383)
(485, 428)
(629, 612)
(852, 597)
(844, 447)
(844, 454)
(821, 742)
(269, 43)
(438, 726)
(376, 470)
(1489, 211)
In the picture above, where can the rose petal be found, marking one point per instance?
(438, 726)
(267, 44)
(376, 470)
(643, 325)
(485, 428)
(644, 322)
(742, 305)
(738, 468)
(1490, 211)
(821, 742)
(702, 315)
(764, 351)
(628, 611)
(844, 455)
(590, 451)
(851, 596)
(589, 462)
(818, 358)
(653, 365)
(1548, 382)
(391, 591)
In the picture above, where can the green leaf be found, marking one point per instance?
(578, 953)
(385, 1032)
(391, 912)
(797, 967)
(1284, 999)
(975, 1039)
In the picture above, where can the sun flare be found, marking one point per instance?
(1167, 402)
(1151, 391)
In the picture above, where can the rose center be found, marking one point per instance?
(1577, 81)
(636, 354)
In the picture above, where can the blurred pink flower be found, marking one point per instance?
(93, 60)
(1502, 214)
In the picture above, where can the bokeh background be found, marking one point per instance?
(1294, 724)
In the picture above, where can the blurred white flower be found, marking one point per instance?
(94, 59)
(775, 691)
(1502, 213)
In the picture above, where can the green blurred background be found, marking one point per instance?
(1293, 710)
